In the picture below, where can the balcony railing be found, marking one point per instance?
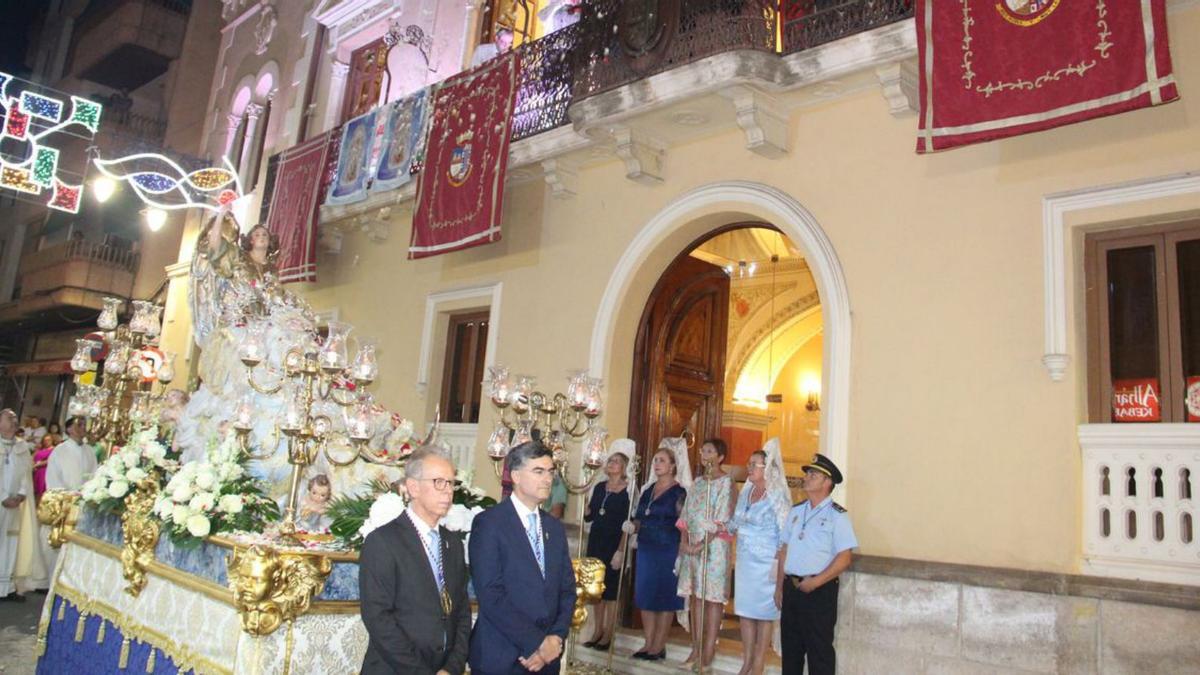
(812, 23)
(1139, 482)
(613, 55)
(79, 250)
(544, 90)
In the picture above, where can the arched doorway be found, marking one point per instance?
(693, 217)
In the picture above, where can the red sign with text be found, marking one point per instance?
(1136, 400)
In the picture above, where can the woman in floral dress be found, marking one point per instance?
(704, 575)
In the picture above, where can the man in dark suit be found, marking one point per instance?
(412, 580)
(522, 572)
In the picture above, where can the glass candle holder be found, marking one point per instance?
(359, 422)
(365, 368)
(333, 354)
(117, 359)
(593, 447)
(254, 345)
(81, 361)
(497, 444)
(166, 371)
(243, 414)
(108, 315)
(498, 385)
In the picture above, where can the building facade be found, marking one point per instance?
(954, 361)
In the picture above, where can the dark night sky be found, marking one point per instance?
(16, 17)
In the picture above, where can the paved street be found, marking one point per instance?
(18, 634)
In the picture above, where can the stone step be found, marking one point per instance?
(728, 660)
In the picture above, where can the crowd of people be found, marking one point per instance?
(36, 457)
(684, 533)
(677, 535)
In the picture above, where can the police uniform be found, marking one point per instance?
(814, 535)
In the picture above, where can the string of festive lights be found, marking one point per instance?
(211, 179)
(33, 168)
(161, 182)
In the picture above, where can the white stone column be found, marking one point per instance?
(338, 71)
(250, 142)
(233, 149)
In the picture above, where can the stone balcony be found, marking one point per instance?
(70, 277)
(124, 44)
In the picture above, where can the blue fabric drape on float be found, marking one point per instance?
(65, 655)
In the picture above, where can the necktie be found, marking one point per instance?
(435, 558)
(536, 542)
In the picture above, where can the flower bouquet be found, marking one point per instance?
(142, 457)
(215, 495)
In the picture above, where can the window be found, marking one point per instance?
(1143, 290)
(519, 16)
(364, 84)
(462, 379)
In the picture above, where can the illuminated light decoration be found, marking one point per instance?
(33, 118)
(45, 166)
(65, 197)
(18, 179)
(17, 123)
(41, 107)
(161, 182)
(85, 112)
(154, 182)
(211, 178)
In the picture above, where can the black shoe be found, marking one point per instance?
(601, 647)
(589, 644)
(661, 656)
(639, 654)
(13, 597)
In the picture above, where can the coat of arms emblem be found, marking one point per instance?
(1026, 12)
(460, 159)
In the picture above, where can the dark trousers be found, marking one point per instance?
(806, 626)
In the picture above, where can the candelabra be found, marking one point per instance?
(315, 371)
(125, 397)
(557, 419)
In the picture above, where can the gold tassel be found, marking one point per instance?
(123, 659)
(100, 632)
(62, 609)
(150, 661)
(79, 626)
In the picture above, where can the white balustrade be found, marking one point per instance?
(460, 439)
(1139, 513)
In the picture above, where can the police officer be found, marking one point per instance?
(817, 539)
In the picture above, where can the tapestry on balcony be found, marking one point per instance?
(361, 141)
(294, 200)
(997, 69)
(461, 187)
(405, 126)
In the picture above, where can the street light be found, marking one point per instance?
(155, 218)
(103, 187)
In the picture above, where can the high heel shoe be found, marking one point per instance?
(661, 656)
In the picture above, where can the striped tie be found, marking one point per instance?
(536, 542)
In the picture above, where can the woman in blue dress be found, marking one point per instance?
(607, 511)
(655, 520)
(758, 518)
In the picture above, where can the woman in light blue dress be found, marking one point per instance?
(757, 521)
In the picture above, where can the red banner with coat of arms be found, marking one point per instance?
(998, 68)
(461, 188)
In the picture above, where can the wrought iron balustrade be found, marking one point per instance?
(812, 23)
(612, 55)
(544, 86)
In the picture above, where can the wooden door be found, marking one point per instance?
(679, 358)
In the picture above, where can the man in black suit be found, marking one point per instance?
(412, 580)
(523, 576)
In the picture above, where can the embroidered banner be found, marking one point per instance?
(461, 188)
(405, 132)
(1006, 67)
(294, 201)
(354, 165)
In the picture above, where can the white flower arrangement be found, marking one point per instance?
(213, 495)
(384, 510)
(124, 469)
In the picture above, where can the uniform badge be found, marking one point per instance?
(1026, 12)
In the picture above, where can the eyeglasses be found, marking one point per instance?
(439, 484)
(754, 465)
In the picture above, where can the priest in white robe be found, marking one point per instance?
(72, 462)
(16, 488)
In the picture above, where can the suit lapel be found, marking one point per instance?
(530, 556)
(411, 537)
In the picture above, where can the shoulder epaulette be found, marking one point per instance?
(839, 508)
(802, 502)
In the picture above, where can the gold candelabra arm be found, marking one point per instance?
(589, 474)
(354, 455)
(345, 399)
(263, 389)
